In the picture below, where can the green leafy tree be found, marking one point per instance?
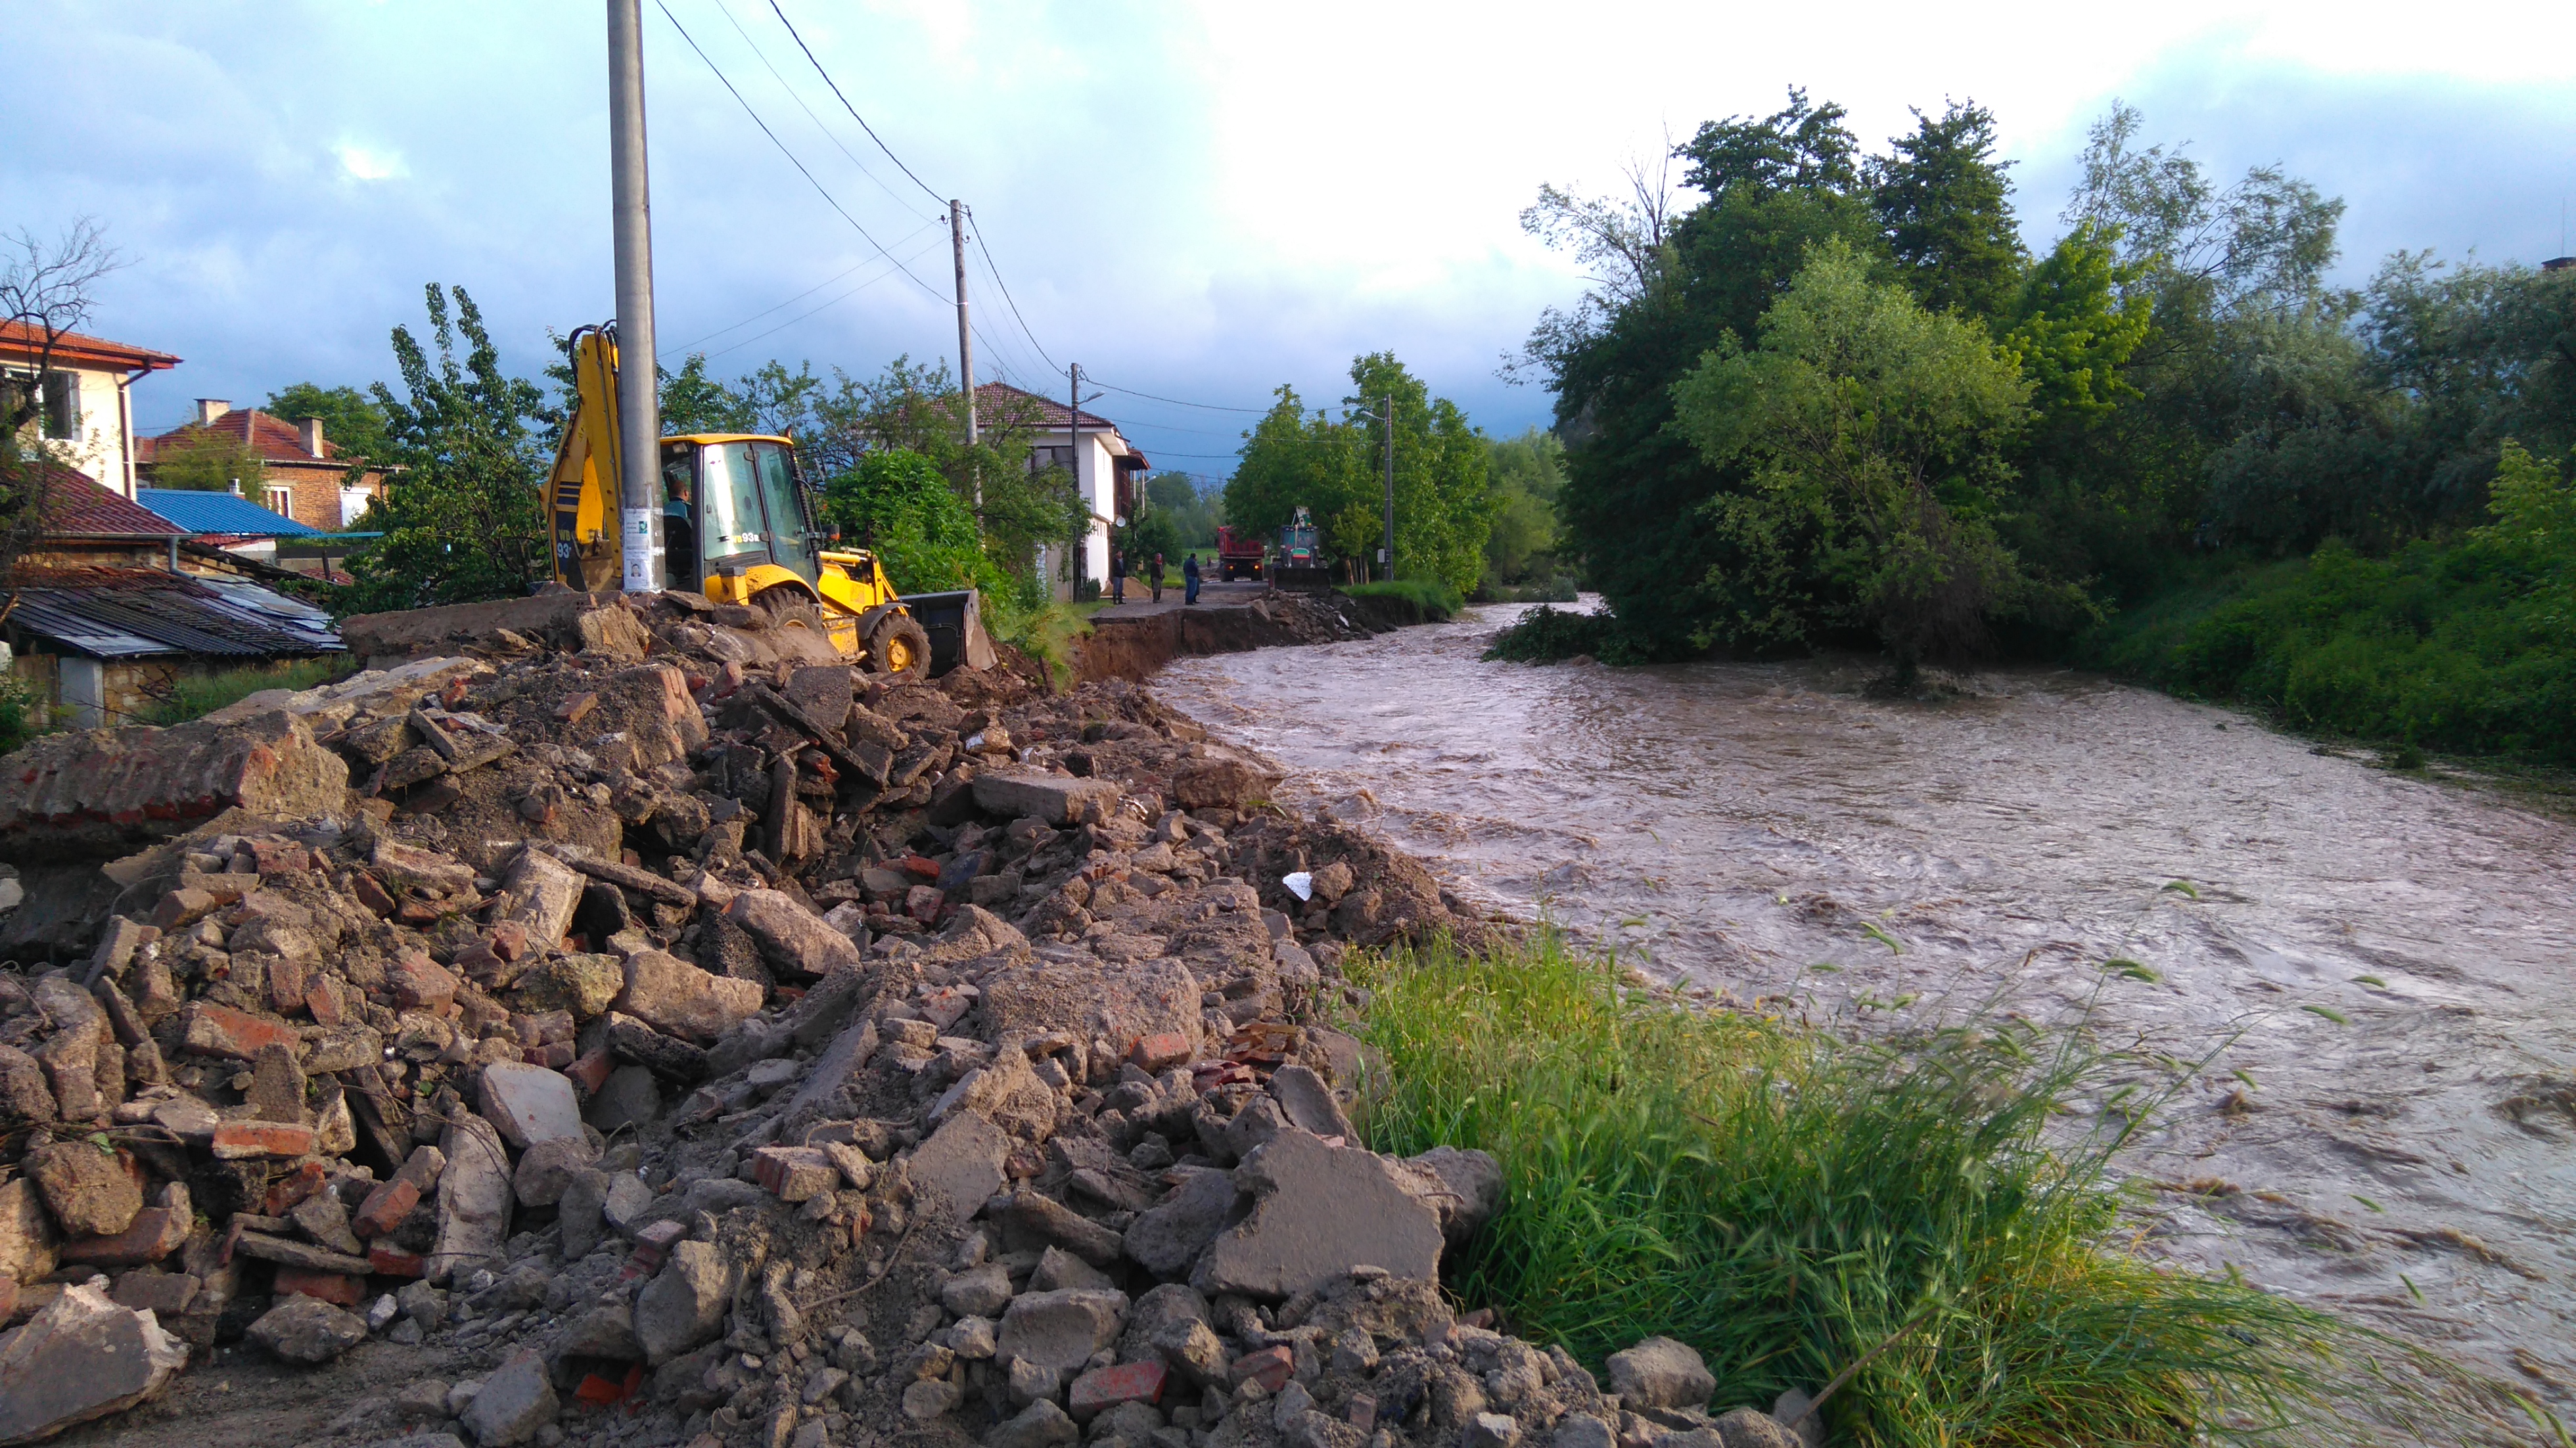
(2072, 328)
(1774, 186)
(206, 461)
(1876, 436)
(1528, 472)
(1945, 203)
(461, 516)
(351, 420)
(1189, 510)
(1443, 504)
(897, 503)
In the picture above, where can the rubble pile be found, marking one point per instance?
(690, 1051)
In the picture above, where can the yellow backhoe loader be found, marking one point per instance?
(738, 527)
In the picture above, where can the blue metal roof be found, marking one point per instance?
(220, 513)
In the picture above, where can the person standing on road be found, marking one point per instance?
(1190, 579)
(1117, 575)
(1155, 580)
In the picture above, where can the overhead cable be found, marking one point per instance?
(763, 57)
(1176, 402)
(996, 273)
(845, 103)
(790, 155)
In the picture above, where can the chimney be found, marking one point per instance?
(311, 428)
(210, 408)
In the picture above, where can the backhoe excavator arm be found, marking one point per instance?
(586, 466)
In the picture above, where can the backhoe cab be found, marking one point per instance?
(738, 527)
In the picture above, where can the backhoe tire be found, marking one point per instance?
(899, 648)
(789, 609)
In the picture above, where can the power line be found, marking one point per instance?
(763, 58)
(782, 148)
(1176, 402)
(845, 102)
(996, 273)
(801, 316)
(684, 347)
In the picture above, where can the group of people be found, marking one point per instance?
(1154, 579)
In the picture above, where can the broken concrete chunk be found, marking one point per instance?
(1463, 1187)
(1318, 1211)
(684, 1305)
(516, 1401)
(672, 995)
(92, 1192)
(1308, 1103)
(1037, 1215)
(792, 937)
(1661, 1373)
(529, 1104)
(1168, 1237)
(960, 1166)
(542, 895)
(473, 1198)
(1061, 1330)
(1057, 799)
(26, 1232)
(547, 1170)
(304, 1329)
(81, 1357)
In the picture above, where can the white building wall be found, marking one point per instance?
(98, 448)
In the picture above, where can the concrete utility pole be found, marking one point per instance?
(1073, 458)
(639, 412)
(965, 334)
(965, 346)
(1386, 555)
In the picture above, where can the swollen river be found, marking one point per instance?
(2381, 970)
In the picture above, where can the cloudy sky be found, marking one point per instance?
(1199, 202)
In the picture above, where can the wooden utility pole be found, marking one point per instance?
(639, 412)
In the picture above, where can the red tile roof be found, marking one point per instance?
(76, 507)
(274, 438)
(78, 349)
(1038, 411)
(1043, 413)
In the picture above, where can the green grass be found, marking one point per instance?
(1044, 633)
(1427, 600)
(195, 695)
(1785, 1201)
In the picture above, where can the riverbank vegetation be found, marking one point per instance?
(1838, 402)
(1787, 1202)
(1410, 600)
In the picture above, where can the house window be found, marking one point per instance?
(62, 405)
(281, 501)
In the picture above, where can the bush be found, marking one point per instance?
(2462, 646)
(1544, 635)
(1785, 1202)
(17, 712)
(897, 504)
(1411, 600)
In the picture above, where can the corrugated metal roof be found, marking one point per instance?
(131, 613)
(201, 512)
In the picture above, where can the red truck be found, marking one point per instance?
(1237, 555)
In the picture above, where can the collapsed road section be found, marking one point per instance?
(672, 1040)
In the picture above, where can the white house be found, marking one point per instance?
(1105, 467)
(79, 393)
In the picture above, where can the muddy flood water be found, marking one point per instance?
(2389, 963)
